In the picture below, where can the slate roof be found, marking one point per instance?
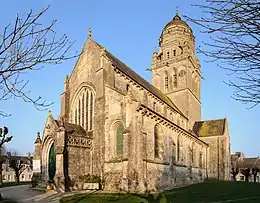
(249, 163)
(141, 81)
(209, 128)
(71, 128)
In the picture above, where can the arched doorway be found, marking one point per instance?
(52, 163)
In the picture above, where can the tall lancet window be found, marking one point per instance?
(79, 113)
(91, 112)
(75, 116)
(166, 81)
(83, 112)
(174, 78)
(119, 139)
(83, 109)
(87, 103)
(156, 141)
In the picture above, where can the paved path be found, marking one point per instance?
(23, 193)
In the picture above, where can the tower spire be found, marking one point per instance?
(177, 10)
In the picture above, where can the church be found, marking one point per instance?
(133, 135)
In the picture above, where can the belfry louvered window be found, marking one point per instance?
(174, 78)
(166, 80)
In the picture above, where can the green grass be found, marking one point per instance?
(209, 191)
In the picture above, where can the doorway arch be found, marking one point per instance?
(52, 163)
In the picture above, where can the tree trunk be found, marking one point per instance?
(17, 178)
(1, 166)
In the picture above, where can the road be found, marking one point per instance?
(23, 193)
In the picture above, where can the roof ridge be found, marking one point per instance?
(211, 120)
(154, 90)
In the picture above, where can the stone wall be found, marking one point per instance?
(218, 163)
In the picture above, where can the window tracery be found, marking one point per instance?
(84, 109)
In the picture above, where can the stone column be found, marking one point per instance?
(136, 167)
(59, 178)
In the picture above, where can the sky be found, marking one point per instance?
(130, 30)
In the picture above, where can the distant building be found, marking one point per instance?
(8, 174)
(242, 167)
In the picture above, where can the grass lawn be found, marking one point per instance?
(209, 191)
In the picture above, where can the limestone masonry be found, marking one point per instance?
(132, 135)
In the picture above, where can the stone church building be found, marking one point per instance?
(135, 136)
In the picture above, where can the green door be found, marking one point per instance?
(52, 163)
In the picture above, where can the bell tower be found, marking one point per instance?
(176, 68)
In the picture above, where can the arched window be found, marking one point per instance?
(179, 148)
(156, 141)
(119, 139)
(174, 52)
(91, 112)
(87, 109)
(173, 153)
(174, 78)
(83, 112)
(79, 115)
(84, 109)
(166, 81)
(201, 160)
(76, 116)
(168, 54)
(193, 154)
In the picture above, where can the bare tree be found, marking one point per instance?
(4, 138)
(28, 45)
(18, 163)
(234, 30)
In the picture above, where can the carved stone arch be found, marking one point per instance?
(79, 89)
(117, 129)
(47, 143)
(83, 115)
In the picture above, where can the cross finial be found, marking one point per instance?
(177, 10)
(89, 32)
(154, 50)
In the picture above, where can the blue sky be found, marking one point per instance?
(130, 30)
